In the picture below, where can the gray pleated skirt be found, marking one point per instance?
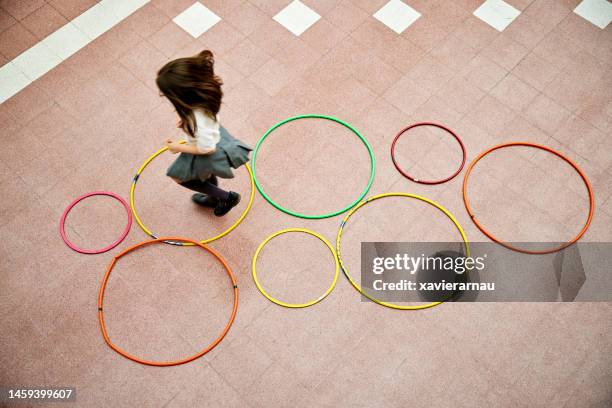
(231, 153)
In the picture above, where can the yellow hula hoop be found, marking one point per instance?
(295, 305)
(204, 241)
(376, 197)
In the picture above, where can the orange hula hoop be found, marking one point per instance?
(556, 153)
(165, 363)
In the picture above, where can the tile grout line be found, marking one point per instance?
(48, 53)
(58, 46)
(229, 384)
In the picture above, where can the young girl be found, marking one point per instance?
(210, 151)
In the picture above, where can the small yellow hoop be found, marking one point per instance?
(295, 305)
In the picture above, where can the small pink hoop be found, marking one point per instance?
(107, 248)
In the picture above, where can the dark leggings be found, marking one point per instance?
(208, 187)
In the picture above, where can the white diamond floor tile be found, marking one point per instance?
(397, 15)
(598, 12)
(497, 13)
(197, 19)
(297, 17)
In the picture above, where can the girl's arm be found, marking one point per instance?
(175, 147)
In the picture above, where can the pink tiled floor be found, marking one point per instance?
(90, 122)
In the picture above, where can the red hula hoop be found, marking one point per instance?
(106, 248)
(429, 182)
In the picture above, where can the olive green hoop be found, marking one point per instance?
(306, 216)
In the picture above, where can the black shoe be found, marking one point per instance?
(205, 200)
(225, 206)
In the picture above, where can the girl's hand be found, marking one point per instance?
(173, 147)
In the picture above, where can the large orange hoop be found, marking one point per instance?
(547, 149)
(184, 360)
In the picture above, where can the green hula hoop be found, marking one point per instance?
(306, 216)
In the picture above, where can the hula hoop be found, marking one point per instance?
(430, 182)
(315, 116)
(165, 363)
(186, 243)
(377, 197)
(547, 149)
(295, 305)
(108, 247)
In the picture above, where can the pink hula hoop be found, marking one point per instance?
(106, 248)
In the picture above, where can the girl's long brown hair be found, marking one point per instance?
(190, 83)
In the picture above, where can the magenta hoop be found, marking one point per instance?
(430, 182)
(106, 248)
